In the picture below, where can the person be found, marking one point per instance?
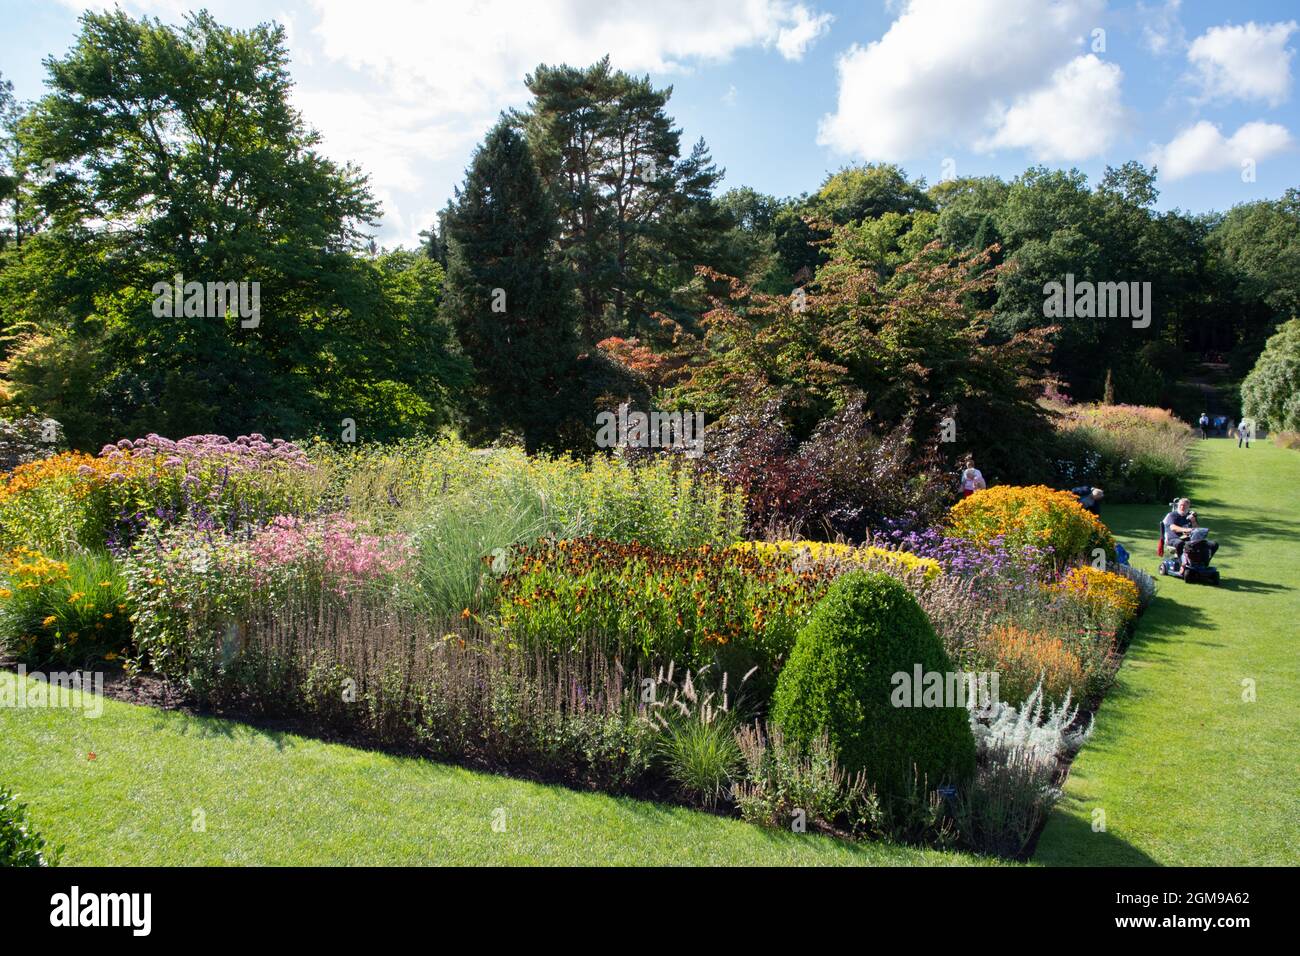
(971, 479)
(1243, 432)
(1221, 424)
(1178, 524)
(1205, 424)
(1089, 498)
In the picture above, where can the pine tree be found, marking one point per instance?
(509, 300)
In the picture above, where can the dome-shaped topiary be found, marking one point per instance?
(840, 679)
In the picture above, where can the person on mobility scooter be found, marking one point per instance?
(1192, 548)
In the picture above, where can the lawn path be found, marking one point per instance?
(1185, 770)
(168, 789)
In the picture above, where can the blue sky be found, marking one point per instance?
(785, 91)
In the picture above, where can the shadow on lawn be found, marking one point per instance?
(1070, 840)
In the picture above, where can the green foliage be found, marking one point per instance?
(839, 681)
(71, 613)
(781, 781)
(20, 844)
(735, 608)
(1270, 394)
(697, 743)
(635, 217)
(1134, 453)
(915, 346)
(235, 192)
(509, 302)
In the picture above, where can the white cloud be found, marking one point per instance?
(1162, 32)
(1248, 62)
(404, 88)
(439, 73)
(794, 41)
(472, 57)
(1072, 118)
(944, 72)
(1203, 148)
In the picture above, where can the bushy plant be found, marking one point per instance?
(1006, 802)
(461, 693)
(1134, 452)
(841, 554)
(188, 583)
(1021, 750)
(1144, 582)
(1024, 660)
(839, 681)
(74, 499)
(738, 610)
(780, 781)
(1031, 516)
(698, 745)
(20, 843)
(847, 477)
(63, 613)
(460, 505)
(1113, 599)
(1270, 394)
(1046, 733)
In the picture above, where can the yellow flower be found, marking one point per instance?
(105, 584)
(49, 620)
(75, 596)
(6, 593)
(108, 616)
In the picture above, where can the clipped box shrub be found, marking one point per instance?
(839, 682)
(1025, 516)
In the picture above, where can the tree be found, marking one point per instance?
(176, 153)
(9, 115)
(634, 216)
(1270, 394)
(509, 300)
(913, 348)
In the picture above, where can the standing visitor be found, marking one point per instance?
(971, 480)
(1243, 432)
(1205, 424)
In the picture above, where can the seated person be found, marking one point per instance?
(1178, 524)
(1089, 497)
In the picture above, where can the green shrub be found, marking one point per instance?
(20, 844)
(838, 681)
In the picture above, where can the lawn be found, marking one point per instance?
(277, 799)
(1186, 770)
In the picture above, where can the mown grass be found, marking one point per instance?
(1186, 771)
(278, 799)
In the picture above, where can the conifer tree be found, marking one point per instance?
(508, 298)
